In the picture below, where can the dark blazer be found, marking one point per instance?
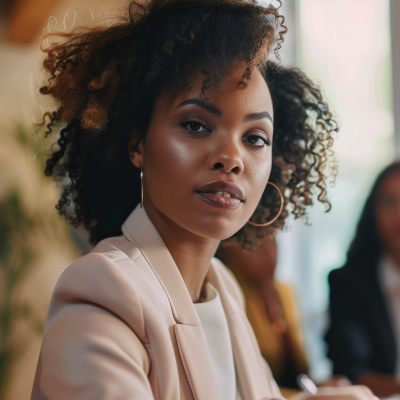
(360, 337)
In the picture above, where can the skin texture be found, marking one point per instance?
(177, 162)
(388, 215)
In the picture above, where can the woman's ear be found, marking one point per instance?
(135, 149)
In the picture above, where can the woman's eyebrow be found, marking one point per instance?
(259, 115)
(203, 104)
(216, 111)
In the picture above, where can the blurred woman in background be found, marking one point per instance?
(364, 336)
(271, 307)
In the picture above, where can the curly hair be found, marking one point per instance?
(303, 159)
(107, 80)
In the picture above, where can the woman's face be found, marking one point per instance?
(206, 162)
(260, 263)
(255, 265)
(388, 212)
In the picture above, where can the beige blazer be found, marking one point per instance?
(121, 325)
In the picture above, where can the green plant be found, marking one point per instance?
(15, 258)
(18, 228)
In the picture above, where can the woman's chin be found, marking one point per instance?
(203, 220)
(216, 228)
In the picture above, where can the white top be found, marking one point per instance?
(215, 326)
(390, 280)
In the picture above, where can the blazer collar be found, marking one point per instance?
(139, 229)
(189, 334)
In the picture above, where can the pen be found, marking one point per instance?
(305, 383)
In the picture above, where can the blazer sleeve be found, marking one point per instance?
(89, 350)
(349, 343)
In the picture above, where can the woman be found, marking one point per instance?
(167, 124)
(364, 335)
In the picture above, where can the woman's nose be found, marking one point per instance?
(227, 158)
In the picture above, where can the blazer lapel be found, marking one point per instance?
(253, 382)
(192, 344)
(196, 361)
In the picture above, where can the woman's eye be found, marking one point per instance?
(194, 126)
(256, 140)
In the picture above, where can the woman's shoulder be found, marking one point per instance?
(102, 265)
(343, 276)
(103, 278)
(350, 285)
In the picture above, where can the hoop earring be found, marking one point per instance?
(279, 212)
(141, 186)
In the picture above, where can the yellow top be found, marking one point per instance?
(270, 342)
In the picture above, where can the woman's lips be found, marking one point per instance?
(221, 194)
(227, 203)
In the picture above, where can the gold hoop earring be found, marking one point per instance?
(141, 186)
(280, 208)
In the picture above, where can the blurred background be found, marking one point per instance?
(349, 47)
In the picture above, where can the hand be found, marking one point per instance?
(335, 381)
(382, 385)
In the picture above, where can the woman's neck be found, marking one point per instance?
(191, 253)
